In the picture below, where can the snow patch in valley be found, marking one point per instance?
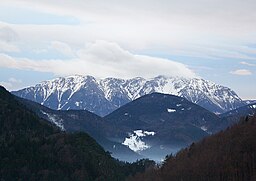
(53, 119)
(204, 128)
(77, 104)
(152, 133)
(171, 110)
(134, 141)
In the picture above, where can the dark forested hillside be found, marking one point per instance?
(228, 155)
(32, 149)
(72, 121)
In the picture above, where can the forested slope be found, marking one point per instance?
(32, 149)
(228, 155)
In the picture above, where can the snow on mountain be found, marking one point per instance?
(246, 110)
(249, 101)
(171, 110)
(134, 141)
(55, 120)
(103, 96)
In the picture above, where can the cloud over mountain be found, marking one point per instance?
(101, 59)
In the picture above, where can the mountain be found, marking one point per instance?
(33, 149)
(73, 121)
(151, 126)
(249, 101)
(249, 109)
(158, 124)
(102, 96)
(235, 115)
(228, 155)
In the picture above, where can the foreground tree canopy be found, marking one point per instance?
(228, 155)
(31, 149)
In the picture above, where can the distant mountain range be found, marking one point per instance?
(249, 101)
(102, 96)
(235, 115)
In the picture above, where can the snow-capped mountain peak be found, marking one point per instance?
(103, 96)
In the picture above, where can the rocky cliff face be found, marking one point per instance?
(102, 96)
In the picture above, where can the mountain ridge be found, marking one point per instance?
(157, 124)
(149, 127)
(102, 96)
(73, 121)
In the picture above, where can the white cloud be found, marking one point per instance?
(62, 48)
(248, 64)
(39, 51)
(6, 85)
(14, 81)
(213, 31)
(7, 34)
(8, 47)
(241, 72)
(11, 83)
(103, 59)
(180, 26)
(7, 37)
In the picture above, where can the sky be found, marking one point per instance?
(210, 39)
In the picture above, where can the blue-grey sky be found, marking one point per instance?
(211, 39)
